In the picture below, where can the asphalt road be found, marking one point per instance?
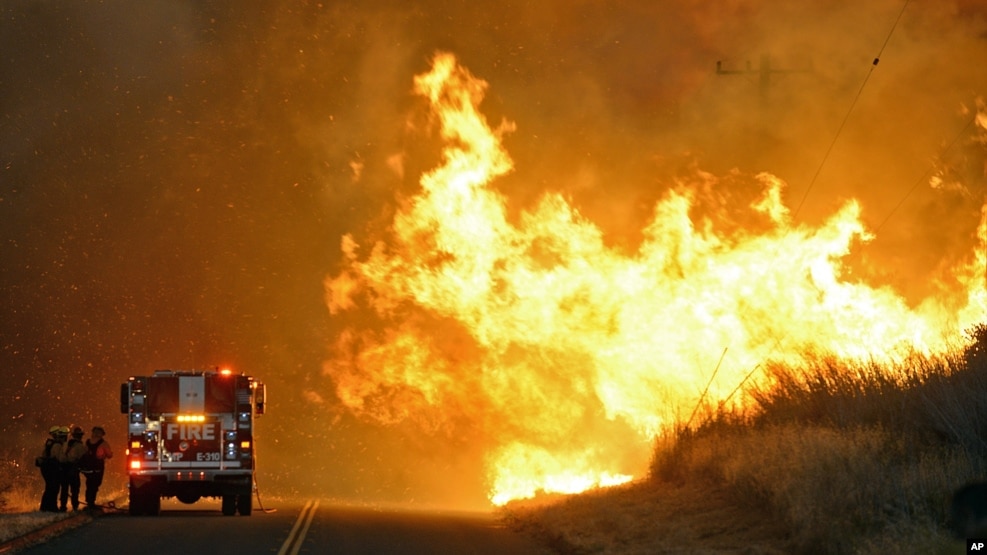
(295, 528)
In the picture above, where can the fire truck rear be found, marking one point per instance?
(191, 436)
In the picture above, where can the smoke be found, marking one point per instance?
(175, 180)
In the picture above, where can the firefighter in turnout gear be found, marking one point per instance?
(93, 464)
(74, 450)
(49, 463)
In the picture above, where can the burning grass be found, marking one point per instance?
(834, 457)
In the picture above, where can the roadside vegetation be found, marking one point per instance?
(20, 484)
(20, 490)
(829, 457)
(20, 494)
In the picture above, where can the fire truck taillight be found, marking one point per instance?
(244, 445)
(135, 464)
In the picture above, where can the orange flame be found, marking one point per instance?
(566, 355)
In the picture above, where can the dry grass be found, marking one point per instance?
(649, 518)
(16, 525)
(20, 492)
(833, 490)
(20, 495)
(834, 458)
(20, 485)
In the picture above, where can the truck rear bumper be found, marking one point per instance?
(181, 484)
(191, 475)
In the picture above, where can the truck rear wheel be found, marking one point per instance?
(136, 504)
(229, 505)
(144, 503)
(244, 504)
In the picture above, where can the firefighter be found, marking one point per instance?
(98, 451)
(49, 464)
(74, 450)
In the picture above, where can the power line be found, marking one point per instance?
(766, 70)
(705, 391)
(924, 176)
(836, 137)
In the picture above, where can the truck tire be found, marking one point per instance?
(144, 503)
(136, 507)
(244, 504)
(229, 505)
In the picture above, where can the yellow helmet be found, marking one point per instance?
(63, 430)
(53, 430)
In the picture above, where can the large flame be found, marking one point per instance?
(565, 355)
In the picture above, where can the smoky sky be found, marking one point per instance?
(175, 176)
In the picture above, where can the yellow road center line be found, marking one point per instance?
(297, 535)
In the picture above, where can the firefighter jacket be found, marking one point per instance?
(73, 451)
(51, 456)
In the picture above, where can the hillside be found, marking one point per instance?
(651, 517)
(831, 457)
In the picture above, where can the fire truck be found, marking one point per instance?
(191, 435)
